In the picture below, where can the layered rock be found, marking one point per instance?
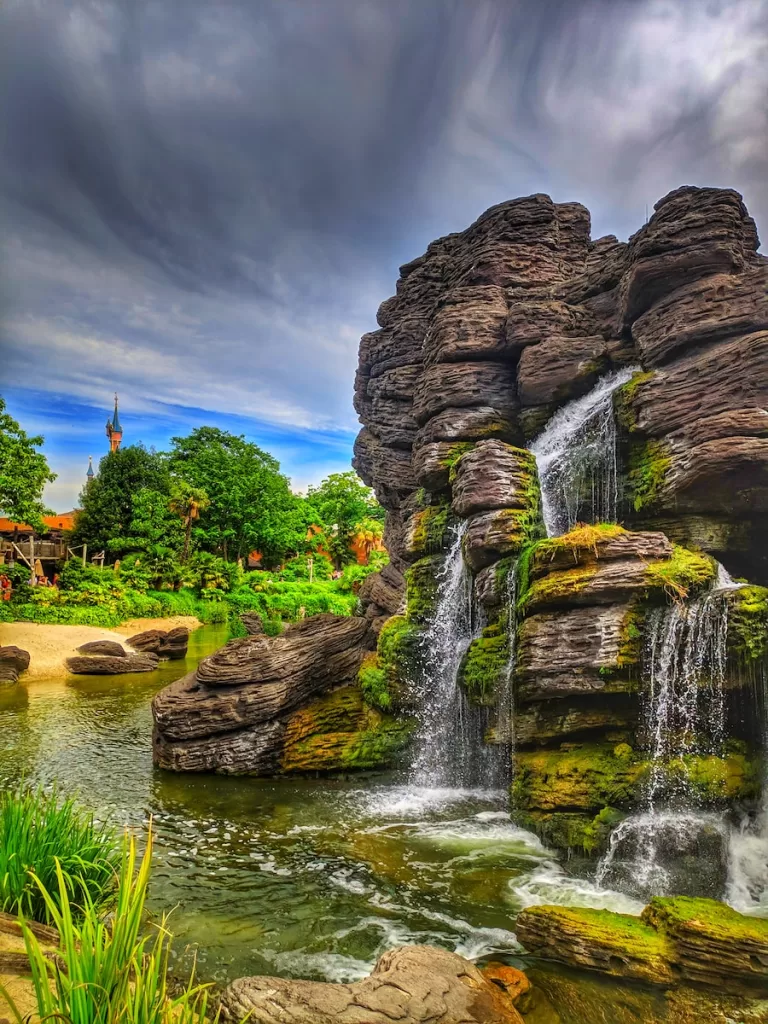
(171, 643)
(109, 665)
(110, 648)
(272, 705)
(676, 941)
(410, 984)
(13, 661)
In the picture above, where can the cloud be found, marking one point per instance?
(203, 204)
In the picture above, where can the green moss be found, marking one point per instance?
(583, 777)
(682, 575)
(623, 398)
(374, 683)
(571, 830)
(397, 652)
(421, 587)
(709, 917)
(649, 463)
(453, 455)
(718, 780)
(428, 529)
(631, 642)
(748, 624)
(484, 666)
(559, 587)
(378, 746)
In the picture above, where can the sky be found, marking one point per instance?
(203, 202)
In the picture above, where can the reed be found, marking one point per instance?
(42, 836)
(109, 970)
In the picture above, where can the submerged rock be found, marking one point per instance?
(13, 661)
(410, 984)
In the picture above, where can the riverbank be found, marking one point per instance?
(49, 646)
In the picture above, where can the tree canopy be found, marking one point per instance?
(250, 503)
(24, 472)
(340, 504)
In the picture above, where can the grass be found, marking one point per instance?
(108, 971)
(41, 837)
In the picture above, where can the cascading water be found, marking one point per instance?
(576, 456)
(449, 744)
(684, 714)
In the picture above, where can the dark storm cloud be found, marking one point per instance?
(205, 200)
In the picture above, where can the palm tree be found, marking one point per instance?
(368, 534)
(188, 502)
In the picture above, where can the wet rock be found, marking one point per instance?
(109, 647)
(13, 661)
(171, 644)
(560, 369)
(677, 940)
(103, 665)
(409, 984)
(494, 535)
(494, 475)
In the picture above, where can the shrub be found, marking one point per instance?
(42, 833)
(108, 971)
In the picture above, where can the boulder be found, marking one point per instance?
(170, 643)
(253, 623)
(13, 661)
(494, 475)
(409, 984)
(108, 647)
(104, 665)
(150, 640)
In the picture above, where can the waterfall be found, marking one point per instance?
(450, 736)
(505, 701)
(576, 456)
(684, 713)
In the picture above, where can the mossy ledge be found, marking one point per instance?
(683, 575)
(624, 396)
(484, 666)
(676, 940)
(648, 465)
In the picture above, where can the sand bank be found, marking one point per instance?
(49, 646)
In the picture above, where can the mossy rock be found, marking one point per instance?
(572, 831)
(338, 732)
(452, 456)
(374, 684)
(397, 654)
(623, 399)
(683, 575)
(559, 587)
(581, 777)
(484, 666)
(648, 464)
(427, 530)
(421, 588)
(748, 624)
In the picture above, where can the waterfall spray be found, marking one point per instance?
(576, 456)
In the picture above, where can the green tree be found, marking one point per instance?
(107, 502)
(251, 506)
(341, 502)
(187, 502)
(154, 527)
(24, 472)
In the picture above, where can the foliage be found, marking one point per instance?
(187, 502)
(251, 507)
(24, 472)
(296, 569)
(154, 528)
(339, 504)
(109, 971)
(107, 502)
(39, 831)
(374, 684)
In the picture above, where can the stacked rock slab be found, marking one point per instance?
(267, 705)
(13, 661)
(495, 327)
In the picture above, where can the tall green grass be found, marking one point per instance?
(40, 836)
(108, 971)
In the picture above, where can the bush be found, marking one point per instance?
(108, 971)
(40, 833)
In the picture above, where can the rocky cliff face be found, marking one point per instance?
(490, 333)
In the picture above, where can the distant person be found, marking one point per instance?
(5, 588)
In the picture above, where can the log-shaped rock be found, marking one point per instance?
(103, 665)
(109, 647)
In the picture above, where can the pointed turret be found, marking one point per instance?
(114, 430)
(89, 475)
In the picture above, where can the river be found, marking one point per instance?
(295, 877)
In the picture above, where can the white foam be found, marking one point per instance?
(549, 883)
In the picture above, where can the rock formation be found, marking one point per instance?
(109, 665)
(171, 643)
(13, 661)
(110, 648)
(267, 705)
(410, 984)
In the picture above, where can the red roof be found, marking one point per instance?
(59, 521)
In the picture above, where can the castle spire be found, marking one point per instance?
(114, 430)
(89, 474)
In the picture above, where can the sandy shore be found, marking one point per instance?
(49, 646)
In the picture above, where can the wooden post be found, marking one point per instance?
(85, 552)
(32, 579)
(311, 568)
